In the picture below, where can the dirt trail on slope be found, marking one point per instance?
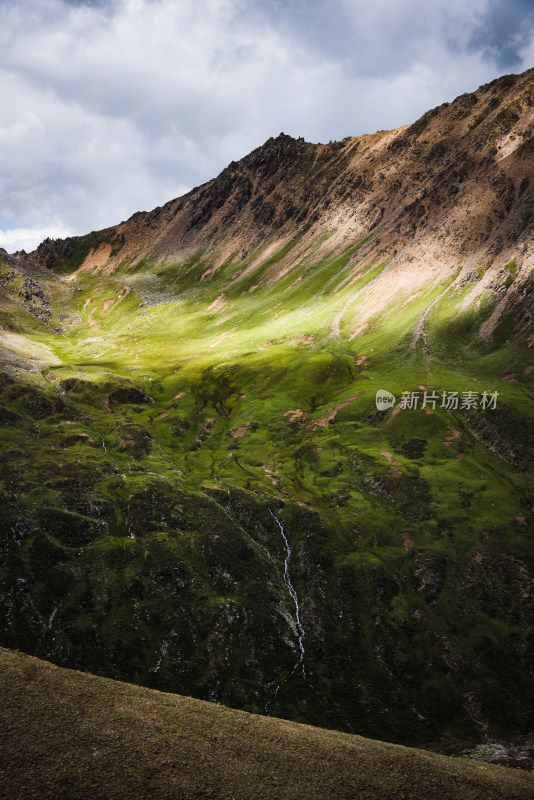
(330, 415)
(419, 331)
(335, 332)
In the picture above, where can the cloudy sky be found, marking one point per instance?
(113, 106)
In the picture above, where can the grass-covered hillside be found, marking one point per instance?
(198, 491)
(158, 428)
(65, 735)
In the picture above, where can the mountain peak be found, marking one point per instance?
(456, 174)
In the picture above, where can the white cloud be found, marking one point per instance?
(27, 239)
(110, 108)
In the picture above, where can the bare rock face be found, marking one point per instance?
(23, 282)
(456, 186)
(47, 253)
(35, 300)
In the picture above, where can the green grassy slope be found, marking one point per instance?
(68, 735)
(146, 447)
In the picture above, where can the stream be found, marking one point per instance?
(292, 592)
(285, 578)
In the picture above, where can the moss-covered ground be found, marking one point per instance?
(154, 422)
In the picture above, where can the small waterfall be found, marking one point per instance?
(285, 578)
(104, 446)
(292, 592)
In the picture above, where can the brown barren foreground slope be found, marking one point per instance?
(66, 734)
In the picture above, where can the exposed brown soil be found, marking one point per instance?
(218, 304)
(126, 443)
(296, 416)
(88, 439)
(274, 478)
(330, 415)
(358, 330)
(389, 458)
(97, 257)
(407, 541)
(237, 433)
(452, 436)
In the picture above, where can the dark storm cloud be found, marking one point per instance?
(111, 107)
(506, 29)
(498, 28)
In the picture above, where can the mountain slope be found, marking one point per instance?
(69, 735)
(453, 190)
(199, 492)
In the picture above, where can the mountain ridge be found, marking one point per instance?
(449, 188)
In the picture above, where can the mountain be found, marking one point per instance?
(450, 192)
(87, 736)
(200, 492)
